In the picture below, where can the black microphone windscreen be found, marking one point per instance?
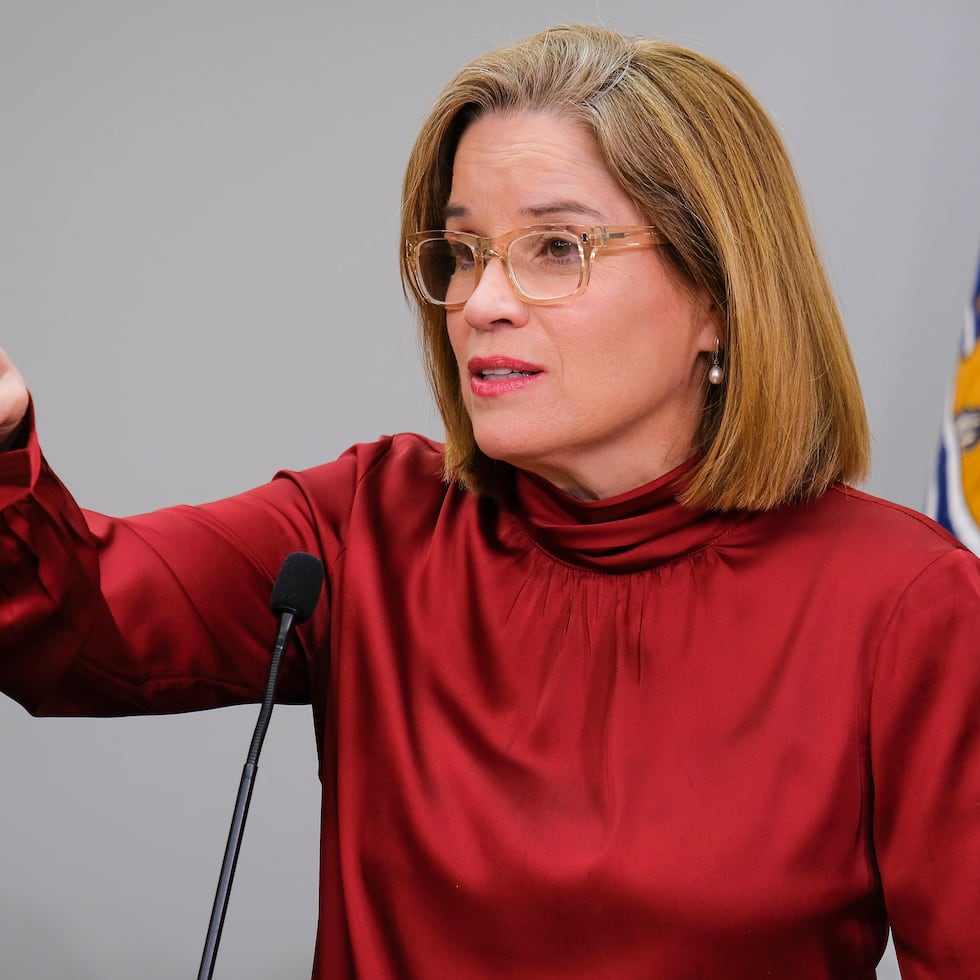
(298, 585)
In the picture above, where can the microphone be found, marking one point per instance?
(294, 597)
(298, 586)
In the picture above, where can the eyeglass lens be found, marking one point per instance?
(544, 265)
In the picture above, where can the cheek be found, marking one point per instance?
(624, 325)
(643, 344)
(456, 331)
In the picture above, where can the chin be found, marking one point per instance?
(521, 440)
(523, 455)
(504, 450)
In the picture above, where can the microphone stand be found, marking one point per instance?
(286, 624)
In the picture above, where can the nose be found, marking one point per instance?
(494, 302)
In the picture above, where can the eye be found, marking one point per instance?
(551, 251)
(444, 266)
(461, 255)
(560, 248)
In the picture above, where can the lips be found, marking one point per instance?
(491, 368)
(491, 376)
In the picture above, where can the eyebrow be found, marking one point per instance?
(547, 210)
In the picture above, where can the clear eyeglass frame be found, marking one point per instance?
(590, 240)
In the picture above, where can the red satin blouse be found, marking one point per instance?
(617, 739)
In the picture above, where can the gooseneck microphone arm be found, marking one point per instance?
(294, 597)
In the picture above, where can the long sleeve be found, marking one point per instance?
(162, 612)
(925, 751)
(558, 738)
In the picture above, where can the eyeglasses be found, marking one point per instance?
(545, 263)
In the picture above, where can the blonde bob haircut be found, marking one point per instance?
(699, 157)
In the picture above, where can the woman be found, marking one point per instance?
(625, 681)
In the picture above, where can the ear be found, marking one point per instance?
(711, 328)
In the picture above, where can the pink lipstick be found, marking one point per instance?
(490, 376)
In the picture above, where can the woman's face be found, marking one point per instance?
(608, 387)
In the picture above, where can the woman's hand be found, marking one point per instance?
(13, 399)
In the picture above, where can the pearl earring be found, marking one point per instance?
(716, 373)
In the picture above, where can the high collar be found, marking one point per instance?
(638, 529)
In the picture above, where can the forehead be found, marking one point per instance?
(533, 165)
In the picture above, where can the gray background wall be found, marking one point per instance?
(198, 221)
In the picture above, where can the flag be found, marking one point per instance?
(954, 492)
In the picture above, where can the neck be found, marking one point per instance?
(603, 483)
